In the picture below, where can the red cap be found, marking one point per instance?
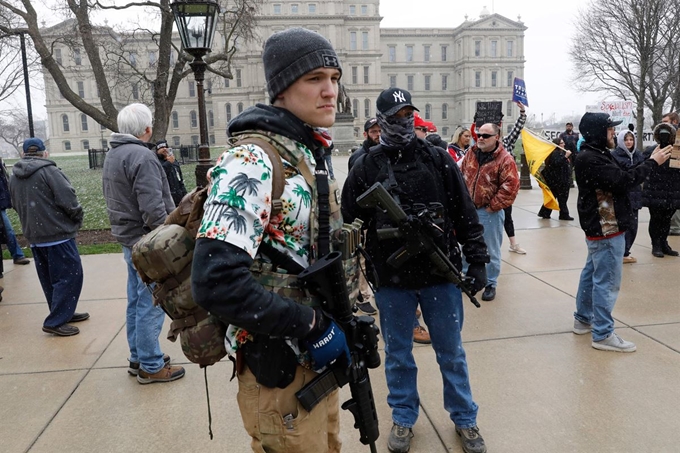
(419, 122)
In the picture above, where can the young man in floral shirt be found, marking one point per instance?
(237, 267)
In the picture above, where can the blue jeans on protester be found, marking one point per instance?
(599, 285)
(442, 307)
(12, 244)
(493, 236)
(60, 272)
(144, 321)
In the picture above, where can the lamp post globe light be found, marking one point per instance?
(196, 20)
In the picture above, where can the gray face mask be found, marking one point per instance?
(396, 132)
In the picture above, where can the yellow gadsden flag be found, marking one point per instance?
(536, 150)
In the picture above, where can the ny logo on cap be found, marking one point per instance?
(330, 61)
(399, 96)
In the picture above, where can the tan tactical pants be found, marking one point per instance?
(278, 424)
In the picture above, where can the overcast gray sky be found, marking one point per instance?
(547, 40)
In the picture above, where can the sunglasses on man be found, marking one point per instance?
(485, 136)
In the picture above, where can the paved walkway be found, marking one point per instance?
(540, 388)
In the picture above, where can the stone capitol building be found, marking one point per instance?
(447, 70)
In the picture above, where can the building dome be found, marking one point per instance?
(485, 13)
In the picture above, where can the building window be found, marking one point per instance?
(364, 10)
(226, 83)
(102, 127)
(356, 132)
(67, 145)
(511, 78)
(135, 90)
(352, 10)
(194, 140)
(194, 118)
(409, 53)
(508, 108)
(294, 8)
(86, 144)
(478, 79)
(494, 78)
(152, 59)
(277, 8)
(392, 54)
(175, 141)
(426, 53)
(192, 89)
(175, 120)
(228, 112)
(445, 50)
(211, 138)
(354, 75)
(364, 40)
(427, 82)
(133, 59)
(478, 48)
(393, 81)
(208, 86)
(81, 89)
(445, 82)
(355, 108)
(239, 107)
(312, 8)
(445, 131)
(510, 48)
(57, 56)
(76, 58)
(64, 123)
(104, 143)
(83, 122)
(366, 70)
(409, 83)
(445, 112)
(238, 78)
(367, 108)
(211, 119)
(352, 40)
(428, 111)
(494, 48)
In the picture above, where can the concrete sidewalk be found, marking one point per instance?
(540, 388)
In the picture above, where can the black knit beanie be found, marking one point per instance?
(292, 53)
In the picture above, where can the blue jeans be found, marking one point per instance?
(442, 307)
(60, 273)
(144, 321)
(493, 237)
(12, 244)
(600, 284)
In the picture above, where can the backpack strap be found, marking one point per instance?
(278, 175)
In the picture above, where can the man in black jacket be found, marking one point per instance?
(172, 170)
(605, 215)
(372, 138)
(417, 174)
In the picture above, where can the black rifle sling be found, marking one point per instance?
(323, 192)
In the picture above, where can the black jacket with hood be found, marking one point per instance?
(628, 160)
(662, 188)
(603, 185)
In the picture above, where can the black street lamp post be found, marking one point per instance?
(24, 61)
(196, 22)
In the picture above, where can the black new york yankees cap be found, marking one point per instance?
(391, 100)
(292, 53)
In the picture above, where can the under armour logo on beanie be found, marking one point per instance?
(292, 53)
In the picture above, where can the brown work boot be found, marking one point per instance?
(421, 336)
(166, 374)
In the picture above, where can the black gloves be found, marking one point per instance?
(477, 271)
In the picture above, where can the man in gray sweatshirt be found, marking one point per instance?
(50, 217)
(138, 200)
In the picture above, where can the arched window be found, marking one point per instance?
(175, 120)
(355, 108)
(508, 109)
(228, 111)
(428, 111)
(67, 145)
(194, 118)
(445, 111)
(239, 107)
(64, 123)
(211, 120)
(367, 108)
(83, 122)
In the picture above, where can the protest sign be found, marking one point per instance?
(489, 112)
(519, 92)
(619, 111)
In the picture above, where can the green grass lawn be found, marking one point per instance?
(88, 186)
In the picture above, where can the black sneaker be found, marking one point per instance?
(400, 439)
(489, 293)
(366, 308)
(471, 439)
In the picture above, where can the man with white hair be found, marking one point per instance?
(138, 200)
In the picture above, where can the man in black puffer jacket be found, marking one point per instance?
(605, 214)
(372, 136)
